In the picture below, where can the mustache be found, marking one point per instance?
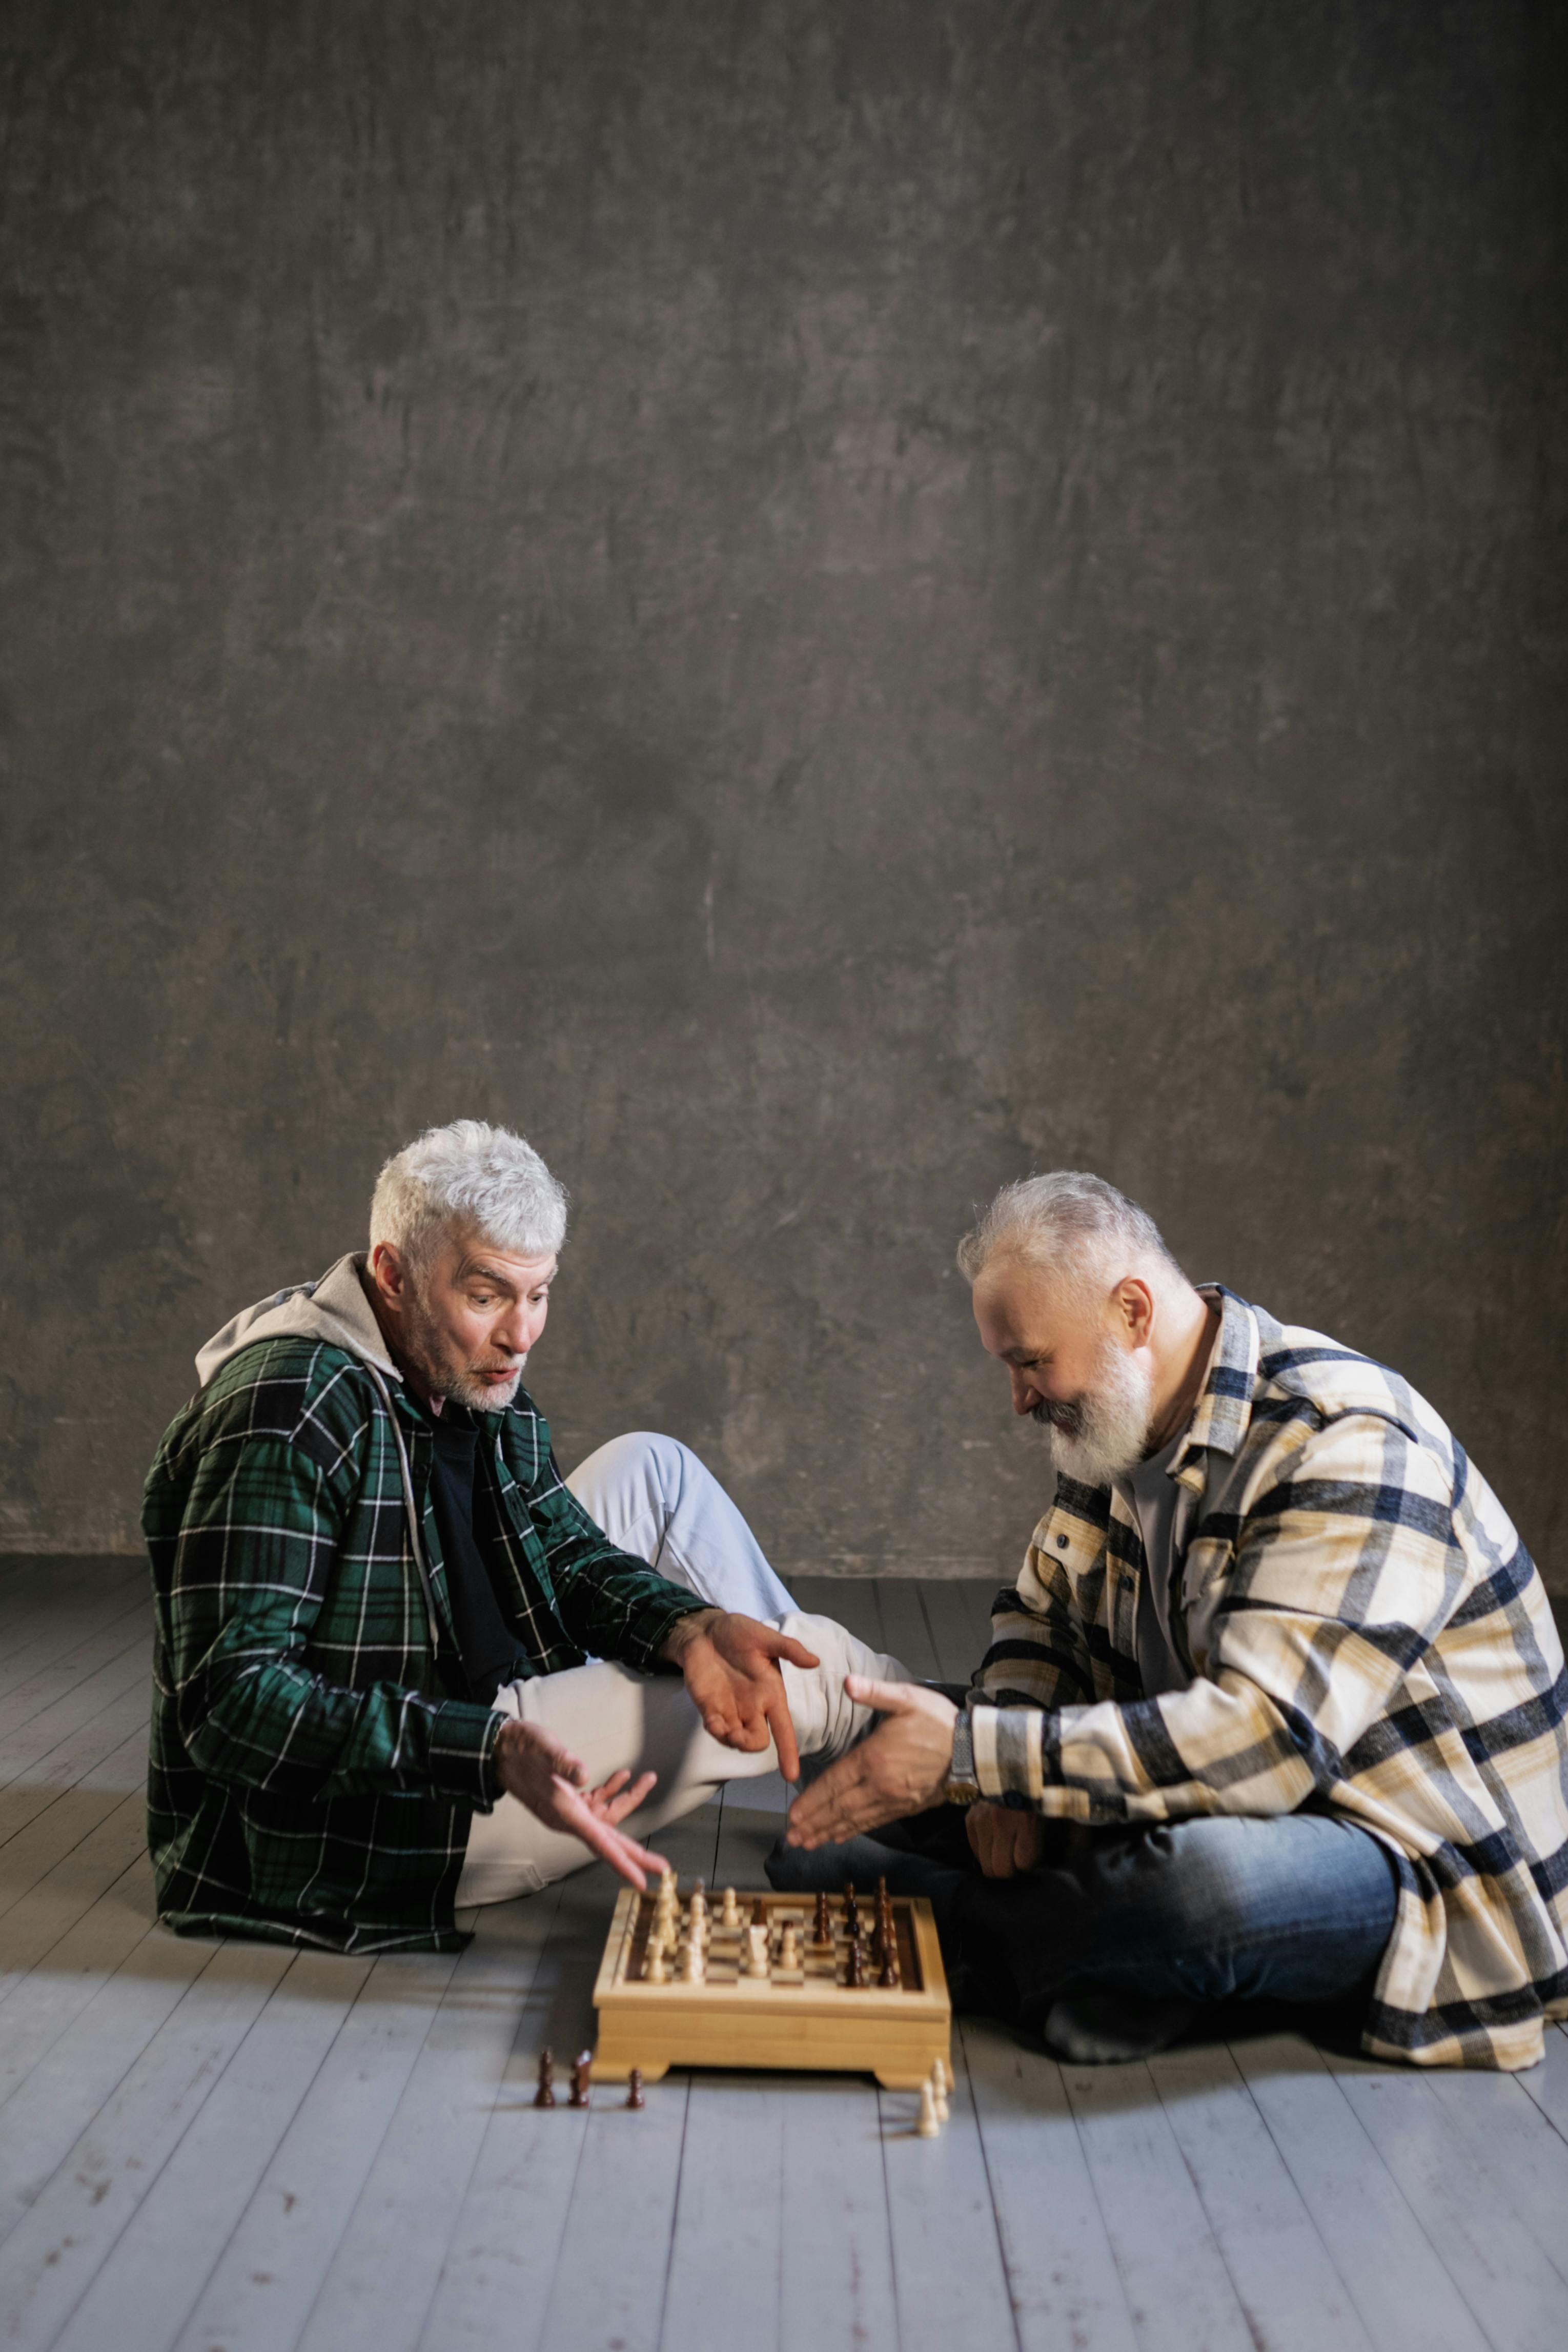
(1069, 1417)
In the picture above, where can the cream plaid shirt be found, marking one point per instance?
(1365, 1632)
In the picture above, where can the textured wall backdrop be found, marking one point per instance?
(819, 605)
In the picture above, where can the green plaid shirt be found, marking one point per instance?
(310, 1780)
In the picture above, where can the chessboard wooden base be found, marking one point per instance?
(808, 2019)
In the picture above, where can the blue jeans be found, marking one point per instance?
(1296, 1908)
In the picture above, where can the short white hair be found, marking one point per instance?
(468, 1175)
(1068, 1223)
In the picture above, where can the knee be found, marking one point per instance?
(644, 1456)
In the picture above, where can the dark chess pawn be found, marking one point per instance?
(824, 1922)
(856, 1976)
(887, 1975)
(545, 2095)
(852, 1910)
(635, 2088)
(582, 2075)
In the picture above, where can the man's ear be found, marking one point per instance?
(386, 1271)
(1135, 1303)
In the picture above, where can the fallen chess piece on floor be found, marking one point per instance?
(940, 2083)
(545, 2095)
(928, 2123)
(582, 2075)
(635, 2088)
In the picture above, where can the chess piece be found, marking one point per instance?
(693, 1969)
(856, 1976)
(789, 1949)
(852, 1910)
(927, 2126)
(939, 2091)
(730, 1916)
(759, 1912)
(635, 2088)
(755, 1952)
(545, 2095)
(582, 2074)
(654, 1969)
(887, 1975)
(823, 1925)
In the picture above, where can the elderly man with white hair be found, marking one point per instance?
(401, 1665)
(1276, 1707)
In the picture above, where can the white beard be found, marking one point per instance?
(1110, 1425)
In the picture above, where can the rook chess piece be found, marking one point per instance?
(582, 2074)
(635, 2088)
(927, 2126)
(545, 2095)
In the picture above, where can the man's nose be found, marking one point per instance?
(514, 1332)
(1024, 1398)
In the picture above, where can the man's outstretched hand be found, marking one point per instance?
(533, 1767)
(901, 1769)
(731, 1667)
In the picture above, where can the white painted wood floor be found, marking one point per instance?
(235, 2149)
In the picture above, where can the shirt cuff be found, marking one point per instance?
(642, 1649)
(1010, 1745)
(463, 1751)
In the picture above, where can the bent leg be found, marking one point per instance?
(1219, 1909)
(652, 1496)
(615, 1720)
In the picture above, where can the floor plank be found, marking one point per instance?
(48, 1999)
(1511, 2289)
(1547, 2083)
(72, 1757)
(1178, 2289)
(951, 2281)
(1062, 2273)
(906, 1633)
(78, 1707)
(34, 1924)
(951, 1620)
(1283, 2272)
(50, 2256)
(161, 2262)
(1392, 2268)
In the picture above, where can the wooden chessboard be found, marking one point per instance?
(810, 2017)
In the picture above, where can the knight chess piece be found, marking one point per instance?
(582, 2075)
(545, 2095)
(635, 2088)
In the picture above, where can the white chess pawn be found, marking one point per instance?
(755, 1952)
(730, 1915)
(928, 2124)
(691, 1969)
(654, 1969)
(939, 2091)
(789, 1949)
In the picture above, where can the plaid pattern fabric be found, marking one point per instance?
(309, 1780)
(1368, 1634)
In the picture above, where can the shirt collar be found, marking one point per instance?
(1224, 1407)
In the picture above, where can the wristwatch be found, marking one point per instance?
(961, 1787)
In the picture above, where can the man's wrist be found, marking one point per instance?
(684, 1633)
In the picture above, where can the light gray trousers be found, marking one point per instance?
(652, 1496)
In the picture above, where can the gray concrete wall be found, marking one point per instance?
(819, 606)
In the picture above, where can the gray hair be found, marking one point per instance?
(1070, 1221)
(468, 1174)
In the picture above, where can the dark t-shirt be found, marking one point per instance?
(488, 1645)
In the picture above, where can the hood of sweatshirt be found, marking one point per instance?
(334, 1310)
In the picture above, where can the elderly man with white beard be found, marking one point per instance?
(1276, 1708)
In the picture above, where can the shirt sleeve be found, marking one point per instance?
(1343, 1571)
(258, 1541)
(612, 1604)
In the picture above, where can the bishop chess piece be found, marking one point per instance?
(582, 2075)
(545, 2095)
